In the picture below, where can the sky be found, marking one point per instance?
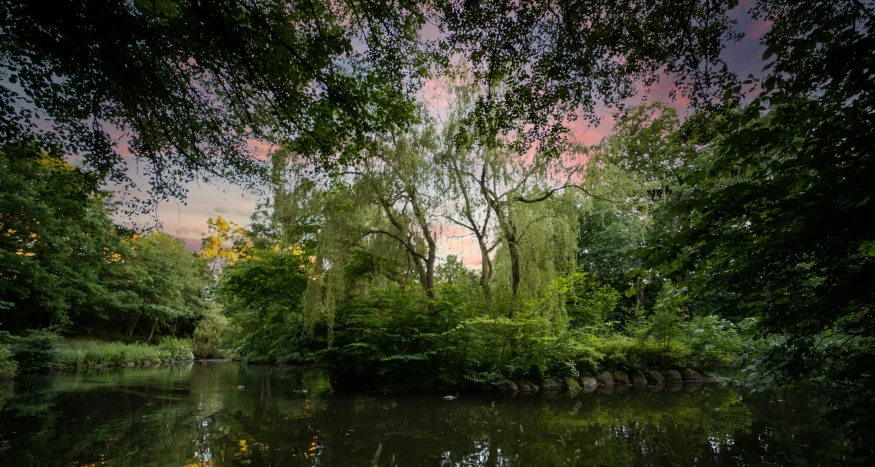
(188, 219)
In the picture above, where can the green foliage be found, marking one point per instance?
(56, 242)
(64, 264)
(389, 335)
(664, 325)
(8, 365)
(252, 71)
(83, 353)
(782, 214)
(712, 341)
(207, 336)
(263, 296)
(587, 302)
(169, 283)
(171, 348)
(36, 350)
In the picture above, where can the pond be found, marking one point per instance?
(196, 415)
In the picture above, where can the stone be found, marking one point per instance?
(654, 378)
(526, 386)
(637, 378)
(691, 376)
(550, 384)
(673, 387)
(621, 377)
(605, 379)
(673, 376)
(506, 386)
(588, 382)
(571, 384)
(693, 386)
(714, 379)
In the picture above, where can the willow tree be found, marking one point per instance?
(314, 218)
(466, 207)
(399, 179)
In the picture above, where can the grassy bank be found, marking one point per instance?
(83, 353)
(41, 350)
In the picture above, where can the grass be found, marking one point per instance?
(82, 353)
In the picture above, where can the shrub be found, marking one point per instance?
(36, 350)
(175, 349)
(712, 342)
(208, 334)
(8, 366)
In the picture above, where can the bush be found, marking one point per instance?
(8, 366)
(172, 348)
(35, 351)
(208, 334)
(712, 342)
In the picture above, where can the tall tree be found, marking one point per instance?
(168, 280)
(189, 85)
(783, 214)
(398, 179)
(223, 244)
(57, 242)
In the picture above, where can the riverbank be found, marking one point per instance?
(619, 381)
(42, 353)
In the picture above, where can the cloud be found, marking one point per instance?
(235, 211)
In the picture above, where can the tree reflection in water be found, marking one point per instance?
(196, 415)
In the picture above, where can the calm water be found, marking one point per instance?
(194, 415)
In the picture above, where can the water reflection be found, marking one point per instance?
(196, 415)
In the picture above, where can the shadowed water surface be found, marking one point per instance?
(195, 415)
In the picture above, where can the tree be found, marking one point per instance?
(396, 180)
(262, 297)
(223, 244)
(490, 185)
(782, 216)
(538, 64)
(189, 84)
(58, 246)
(169, 282)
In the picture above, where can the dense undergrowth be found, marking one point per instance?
(44, 350)
(399, 334)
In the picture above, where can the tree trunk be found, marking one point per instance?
(516, 274)
(132, 326)
(154, 325)
(93, 322)
(639, 295)
(429, 270)
(485, 272)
